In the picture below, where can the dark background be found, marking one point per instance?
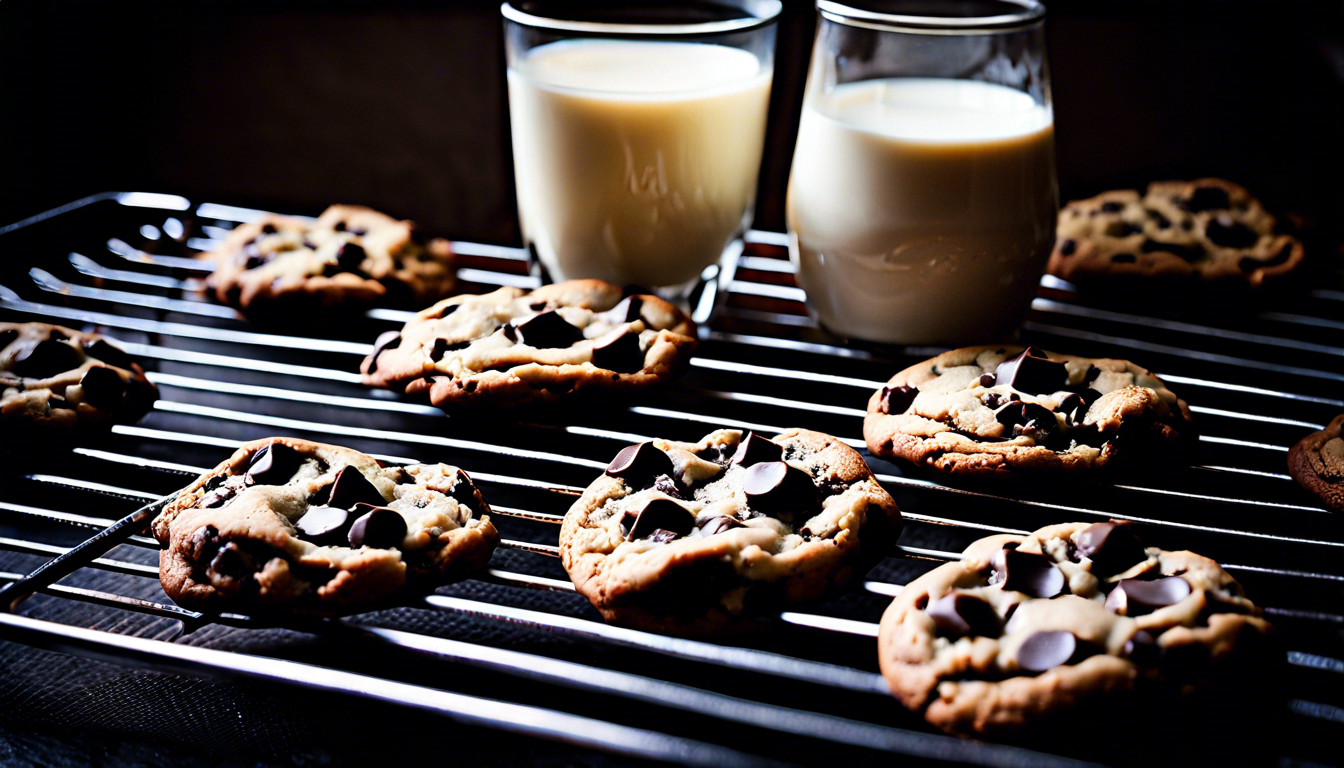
(293, 106)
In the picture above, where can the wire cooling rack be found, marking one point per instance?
(527, 654)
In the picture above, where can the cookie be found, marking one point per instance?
(349, 258)
(1208, 229)
(1026, 632)
(62, 387)
(511, 347)
(702, 539)
(1006, 410)
(1316, 462)
(290, 525)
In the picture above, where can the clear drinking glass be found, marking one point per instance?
(922, 198)
(637, 134)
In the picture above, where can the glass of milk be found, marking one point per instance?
(637, 135)
(922, 198)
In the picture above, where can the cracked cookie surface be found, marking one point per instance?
(350, 257)
(62, 386)
(512, 347)
(1316, 462)
(1006, 410)
(1024, 630)
(292, 525)
(698, 539)
(1208, 229)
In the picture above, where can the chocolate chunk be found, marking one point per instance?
(777, 489)
(658, 514)
(1034, 575)
(377, 527)
(1121, 229)
(1136, 597)
(46, 359)
(625, 312)
(510, 332)
(716, 524)
(621, 354)
(1112, 207)
(386, 341)
(1191, 252)
(324, 526)
(274, 464)
(755, 450)
(448, 310)
(1044, 651)
(959, 614)
(349, 256)
(1206, 199)
(443, 347)
(897, 400)
(1067, 247)
(1032, 372)
(548, 330)
(1112, 547)
(1124, 258)
(464, 493)
(1142, 648)
(1229, 233)
(1074, 408)
(103, 388)
(101, 350)
(1024, 417)
(351, 488)
(232, 561)
(639, 465)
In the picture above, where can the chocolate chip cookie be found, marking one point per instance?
(1006, 410)
(698, 539)
(1317, 463)
(1026, 631)
(350, 257)
(62, 387)
(511, 347)
(319, 530)
(1208, 228)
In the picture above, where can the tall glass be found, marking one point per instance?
(922, 198)
(637, 135)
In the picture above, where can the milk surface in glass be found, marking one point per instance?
(921, 210)
(636, 161)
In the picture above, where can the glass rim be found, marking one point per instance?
(1031, 12)
(759, 14)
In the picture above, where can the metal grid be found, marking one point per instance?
(1258, 379)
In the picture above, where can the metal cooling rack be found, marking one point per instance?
(1258, 380)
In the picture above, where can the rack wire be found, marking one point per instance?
(1257, 380)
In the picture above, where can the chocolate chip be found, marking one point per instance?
(625, 312)
(1136, 597)
(45, 359)
(274, 464)
(386, 341)
(666, 484)
(1191, 252)
(548, 330)
(268, 229)
(464, 493)
(638, 465)
(1067, 247)
(1124, 258)
(1112, 547)
(1207, 199)
(232, 561)
(339, 226)
(537, 306)
(105, 352)
(217, 497)
(377, 527)
(1092, 373)
(324, 526)
(351, 487)
(103, 388)
(1034, 575)
(1023, 416)
(710, 526)
(755, 450)
(1032, 372)
(1074, 408)
(1112, 207)
(509, 331)
(661, 536)
(349, 256)
(1142, 648)
(252, 256)
(443, 347)
(1228, 233)
(657, 514)
(621, 354)
(994, 400)
(959, 614)
(897, 400)
(777, 489)
(448, 310)
(1044, 651)
(1121, 229)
